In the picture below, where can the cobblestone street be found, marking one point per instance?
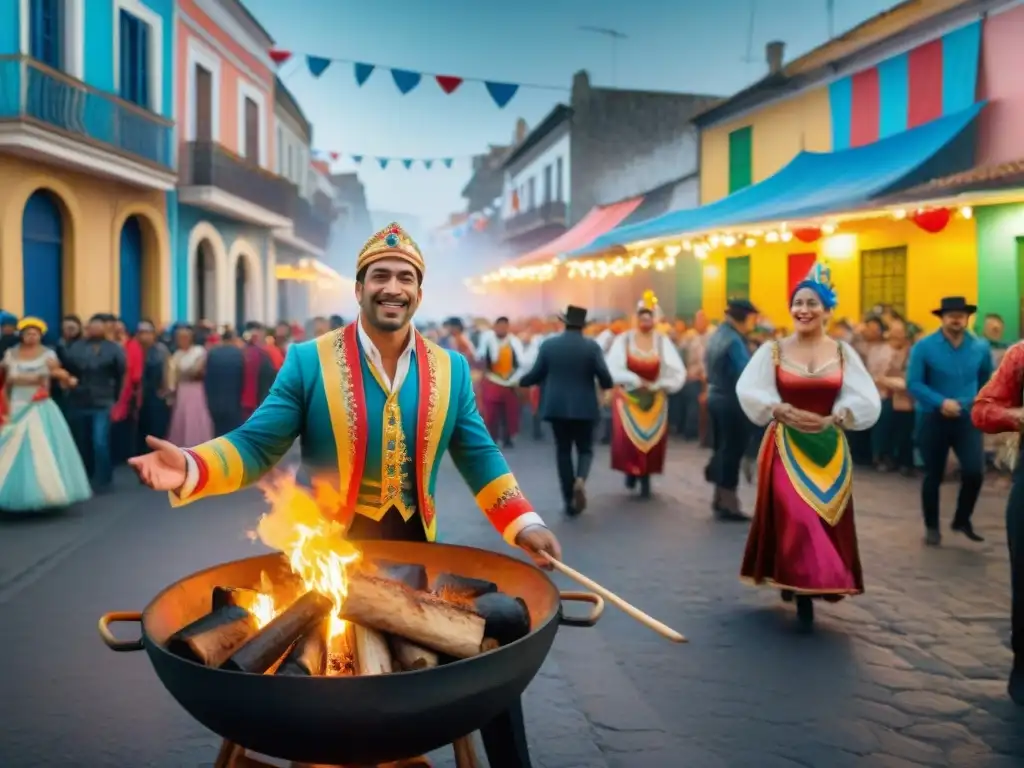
(910, 674)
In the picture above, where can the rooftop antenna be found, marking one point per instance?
(830, 15)
(749, 57)
(615, 36)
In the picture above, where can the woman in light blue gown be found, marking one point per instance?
(39, 464)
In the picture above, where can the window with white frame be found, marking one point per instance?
(138, 54)
(203, 107)
(52, 32)
(252, 138)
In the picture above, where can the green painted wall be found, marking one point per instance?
(999, 278)
(689, 285)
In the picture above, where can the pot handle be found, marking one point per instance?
(581, 597)
(119, 617)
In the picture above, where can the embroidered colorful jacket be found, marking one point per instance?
(1003, 393)
(320, 397)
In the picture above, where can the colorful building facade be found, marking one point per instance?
(924, 69)
(86, 157)
(229, 198)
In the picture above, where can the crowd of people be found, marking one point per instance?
(794, 410)
(77, 401)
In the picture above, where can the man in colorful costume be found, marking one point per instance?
(502, 357)
(647, 367)
(999, 410)
(375, 406)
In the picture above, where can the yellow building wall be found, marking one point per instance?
(780, 132)
(94, 210)
(944, 264)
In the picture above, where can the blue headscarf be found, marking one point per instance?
(819, 280)
(6, 318)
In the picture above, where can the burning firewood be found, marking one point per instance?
(238, 596)
(419, 617)
(507, 618)
(413, 576)
(370, 651)
(409, 656)
(452, 586)
(269, 644)
(211, 639)
(308, 656)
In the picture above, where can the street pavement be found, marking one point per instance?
(910, 674)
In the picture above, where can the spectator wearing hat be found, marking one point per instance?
(945, 372)
(727, 355)
(566, 368)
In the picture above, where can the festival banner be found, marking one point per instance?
(407, 80)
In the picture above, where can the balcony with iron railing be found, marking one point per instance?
(208, 164)
(35, 94)
(544, 215)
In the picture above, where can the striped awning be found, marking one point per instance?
(600, 219)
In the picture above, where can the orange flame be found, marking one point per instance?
(314, 544)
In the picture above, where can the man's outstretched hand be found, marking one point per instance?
(164, 469)
(535, 539)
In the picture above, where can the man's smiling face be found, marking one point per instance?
(389, 294)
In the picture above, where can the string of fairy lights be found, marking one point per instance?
(661, 256)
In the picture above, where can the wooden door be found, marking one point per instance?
(252, 131)
(204, 104)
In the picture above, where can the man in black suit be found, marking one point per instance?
(566, 368)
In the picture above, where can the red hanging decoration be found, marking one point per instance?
(934, 220)
(448, 83)
(279, 56)
(807, 234)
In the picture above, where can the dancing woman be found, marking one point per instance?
(808, 389)
(39, 463)
(647, 368)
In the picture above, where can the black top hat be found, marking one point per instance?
(574, 317)
(954, 304)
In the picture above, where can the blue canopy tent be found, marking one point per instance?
(819, 183)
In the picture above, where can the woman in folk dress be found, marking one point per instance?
(190, 417)
(807, 389)
(39, 463)
(646, 369)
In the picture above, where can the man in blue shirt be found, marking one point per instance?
(726, 357)
(946, 370)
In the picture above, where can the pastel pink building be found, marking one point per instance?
(230, 199)
(1000, 133)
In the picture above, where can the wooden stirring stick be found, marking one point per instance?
(631, 610)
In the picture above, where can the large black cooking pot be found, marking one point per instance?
(353, 720)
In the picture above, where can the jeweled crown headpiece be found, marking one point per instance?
(819, 280)
(394, 242)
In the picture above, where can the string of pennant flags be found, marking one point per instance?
(386, 162)
(407, 80)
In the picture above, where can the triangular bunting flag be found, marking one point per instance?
(317, 65)
(357, 159)
(448, 83)
(363, 72)
(278, 56)
(334, 155)
(427, 164)
(407, 162)
(405, 80)
(382, 162)
(447, 162)
(502, 93)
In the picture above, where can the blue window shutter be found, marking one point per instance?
(134, 70)
(46, 32)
